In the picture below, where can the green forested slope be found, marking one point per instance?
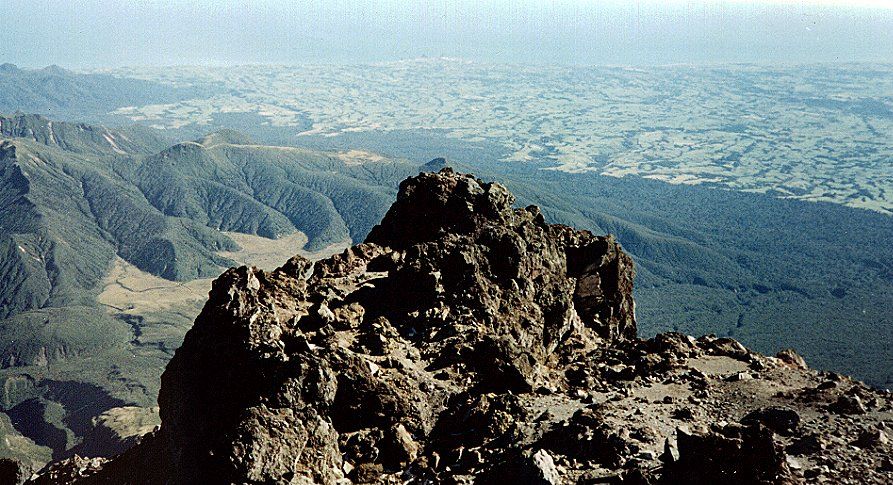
(75, 196)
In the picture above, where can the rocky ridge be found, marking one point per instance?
(469, 342)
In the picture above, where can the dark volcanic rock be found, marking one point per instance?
(848, 405)
(778, 419)
(10, 470)
(586, 436)
(73, 470)
(274, 382)
(729, 455)
(529, 468)
(468, 341)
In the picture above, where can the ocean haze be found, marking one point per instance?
(106, 33)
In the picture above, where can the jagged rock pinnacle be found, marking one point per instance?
(465, 340)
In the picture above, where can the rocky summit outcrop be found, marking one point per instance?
(466, 341)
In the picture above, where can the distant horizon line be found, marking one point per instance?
(694, 64)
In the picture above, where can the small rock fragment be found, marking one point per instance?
(792, 359)
(847, 404)
(671, 451)
(542, 469)
(739, 376)
(528, 467)
(684, 414)
(872, 438)
(816, 472)
(806, 445)
(779, 419)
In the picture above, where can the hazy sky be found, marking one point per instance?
(96, 33)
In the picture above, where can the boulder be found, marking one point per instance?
(792, 358)
(779, 419)
(732, 455)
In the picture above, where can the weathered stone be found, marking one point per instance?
(72, 470)
(739, 376)
(586, 436)
(528, 467)
(725, 346)
(399, 448)
(288, 375)
(847, 404)
(872, 438)
(733, 454)
(792, 358)
(806, 445)
(781, 420)
(671, 451)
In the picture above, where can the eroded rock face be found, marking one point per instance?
(465, 341)
(288, 378)
(731, 454)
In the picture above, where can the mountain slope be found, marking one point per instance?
(78, 137)
(75, 196)
(80, 202)
(466, 341)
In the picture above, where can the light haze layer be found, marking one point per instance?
(101, 33)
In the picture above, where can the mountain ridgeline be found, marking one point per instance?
(75, 196)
